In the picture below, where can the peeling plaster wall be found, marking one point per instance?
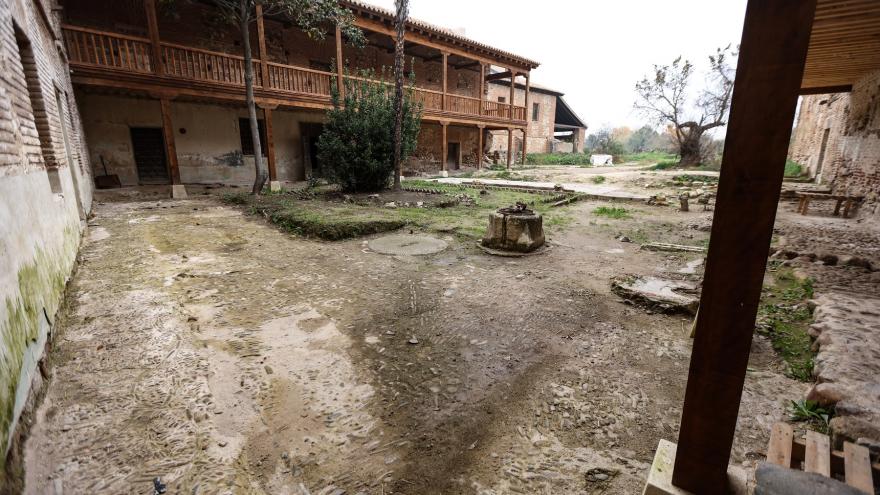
(209, 151)
(40, 229)
(429, 150)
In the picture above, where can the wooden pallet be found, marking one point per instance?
(814, 453)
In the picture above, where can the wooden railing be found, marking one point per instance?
(134, 54)
(90, 47)
(205, 65)
(299, 80)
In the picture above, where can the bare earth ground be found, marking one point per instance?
(206, 347)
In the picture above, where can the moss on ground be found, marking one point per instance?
(316, 215)
(784, 316)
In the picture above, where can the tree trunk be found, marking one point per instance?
(689, 148)
(400, 25)
(261, 173)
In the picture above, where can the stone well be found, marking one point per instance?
(516, 228)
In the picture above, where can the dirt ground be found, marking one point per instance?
(204, 346)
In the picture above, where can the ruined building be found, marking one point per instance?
(45, 195)
(837, 140)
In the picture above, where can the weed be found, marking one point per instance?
(599, 179)
(793, 169)
(811, 412)
(784, 317)
(615, 212)
(665, 165)
(236, 198)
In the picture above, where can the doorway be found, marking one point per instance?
(453, 156)
(311, 163)
(148, 146)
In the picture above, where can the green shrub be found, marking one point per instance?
(793, 169)
(665, 165)
(615, 212)
(558, 159)
(356, 147)
(599, 179)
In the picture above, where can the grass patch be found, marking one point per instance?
(793, 169)
(599, 179)
(785, 317)
(614, 212)
(650, 156)
(665, 165)
(317, 215)
(509, 175)
(558, 159)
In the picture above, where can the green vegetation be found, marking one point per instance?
(650, 156)
(509, 175)
(811, 412)
(614, 212)
(558, 159)
(665, 165)
(793, 169)
(599, 179)
(325, 214)
(784, 316)
(695, 178)
(356, 147)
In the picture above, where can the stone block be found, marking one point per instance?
(521, 231)
(660, 476)
(178, 191)
(777, 480)
(275, 186)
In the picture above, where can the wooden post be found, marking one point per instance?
(769, 72)
(525, 132)
(480, 146)
(509, 147)
(444, 149)
(512, 92)
(528, 117)
(261, 38)
(168, 134)
(445, 60)
(153, 30)
(340, 82)
(482, 88)
(270, 144)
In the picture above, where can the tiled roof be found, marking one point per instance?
(440, 31)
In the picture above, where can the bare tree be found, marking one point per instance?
(400, 17)
(312, 16)
(664, 98)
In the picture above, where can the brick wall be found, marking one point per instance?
(851, 163)
(540, 134)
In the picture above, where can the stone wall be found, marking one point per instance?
(851, 164)
(540, 134)
(45, 193)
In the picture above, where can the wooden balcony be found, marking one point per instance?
(120, 61)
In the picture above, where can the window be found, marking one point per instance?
(502, 99)
(536, 111)
(247, 142)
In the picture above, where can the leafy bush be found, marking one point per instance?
(793, 169)
(356, 148)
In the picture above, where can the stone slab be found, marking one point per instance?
(660, 476)
(407, 245)
(777, 480)
(275, 186)
(178, 191)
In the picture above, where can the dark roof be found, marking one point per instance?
(440, 32)
(565, 116)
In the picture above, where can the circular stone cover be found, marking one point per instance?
(407, 244)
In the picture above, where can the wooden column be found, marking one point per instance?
(480, 146)
(482, 87)
(528, 115)
(525, 132)
(769, 71)
(340, 82)
(444, 149)
(512, 92)
(261, 43)
(270, 143)
(445, 61)
(153, 30)
(509, 146)
(168, 134)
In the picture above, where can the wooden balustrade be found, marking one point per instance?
(100, 49)
(299, 80)
(90, 47)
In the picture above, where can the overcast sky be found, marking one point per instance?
(593, 50)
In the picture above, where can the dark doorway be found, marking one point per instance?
(453, 156)
(148, 145)
(311, 163)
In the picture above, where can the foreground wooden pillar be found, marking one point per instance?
(168, 134)
(512, 99)
(480, 146)
(524, 146)
(509, 147)
(340, 82)
(270, 144)
(444, 148)
(445, 56)
(482, 88)
(153, 30)
(770, 68)
(261, 44)
(528, 117)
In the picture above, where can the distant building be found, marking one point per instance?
(553, 126)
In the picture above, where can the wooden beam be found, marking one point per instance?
(512, 99)
(340, 81)
(509, 147)
(480, 146)
(770, 67)
(826, 89)
(270, 144)
(261, 45)
(482, 88)
(444, 150)
(466, 65)
(168, 135)
(445, 77)
(499, 75)
(153, 30)
(528, 117)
